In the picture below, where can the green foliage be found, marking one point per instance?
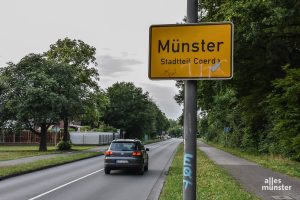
(284, 114)
(101, 128)
(107, 128)
(132, 111)
(31, 90)
(71, 129)
(175, 129)
(94, 107)
(85, 128)
(74, 52)
(40, 90)
(77, 89)
(80, 56)
(64, 145)
(31, 98)
(261, 103)
(296, 148)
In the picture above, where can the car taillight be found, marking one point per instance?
(136, 153)
(107, 153)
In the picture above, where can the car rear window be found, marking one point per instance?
(123, 146)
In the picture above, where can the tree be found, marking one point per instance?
(283, 110)
(29, 96)
(157, 120)
(94, 107)
(162, 122)
(131, 110)
(79, 55)
(126, 110)
(175, 129)
(266, 38)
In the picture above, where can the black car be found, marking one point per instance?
(126, 154)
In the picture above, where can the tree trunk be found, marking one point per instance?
(43, 138)
(66, 131)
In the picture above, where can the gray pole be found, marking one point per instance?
(190, 122)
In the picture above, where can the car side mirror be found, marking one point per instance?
(147, 149)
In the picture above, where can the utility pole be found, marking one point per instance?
(160, 37)
(190, 122)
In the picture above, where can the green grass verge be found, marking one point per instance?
(11, 155)
(40, 164)
(15, 152)
(212, 181)
(276, 163)
(152, 141)
(82, 147)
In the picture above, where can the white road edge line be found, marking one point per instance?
(43, 194)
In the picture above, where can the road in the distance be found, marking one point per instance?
(85, 180)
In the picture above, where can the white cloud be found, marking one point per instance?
(109, 66)
(119, 30)
(164, 97)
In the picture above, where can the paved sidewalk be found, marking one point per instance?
(41, 157)
(254, 178)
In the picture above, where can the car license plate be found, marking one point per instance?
(122, 161)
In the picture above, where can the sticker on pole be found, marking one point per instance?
(191, 51)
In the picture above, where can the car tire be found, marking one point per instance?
(106, 170)
(141, 171)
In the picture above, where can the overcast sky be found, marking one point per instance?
(118, 29)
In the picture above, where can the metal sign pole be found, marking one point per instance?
(190, 122)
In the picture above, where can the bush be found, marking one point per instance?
(107, 128)
(85, 128)
(71, 130)
(64, 146)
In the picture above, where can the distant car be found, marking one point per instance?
(126, 154)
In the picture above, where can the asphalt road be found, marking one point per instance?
(85, 180)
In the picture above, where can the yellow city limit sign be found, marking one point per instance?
(191, 51)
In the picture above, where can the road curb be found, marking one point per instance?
(158, 186)
(46, 167)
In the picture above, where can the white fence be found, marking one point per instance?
(96, 138)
